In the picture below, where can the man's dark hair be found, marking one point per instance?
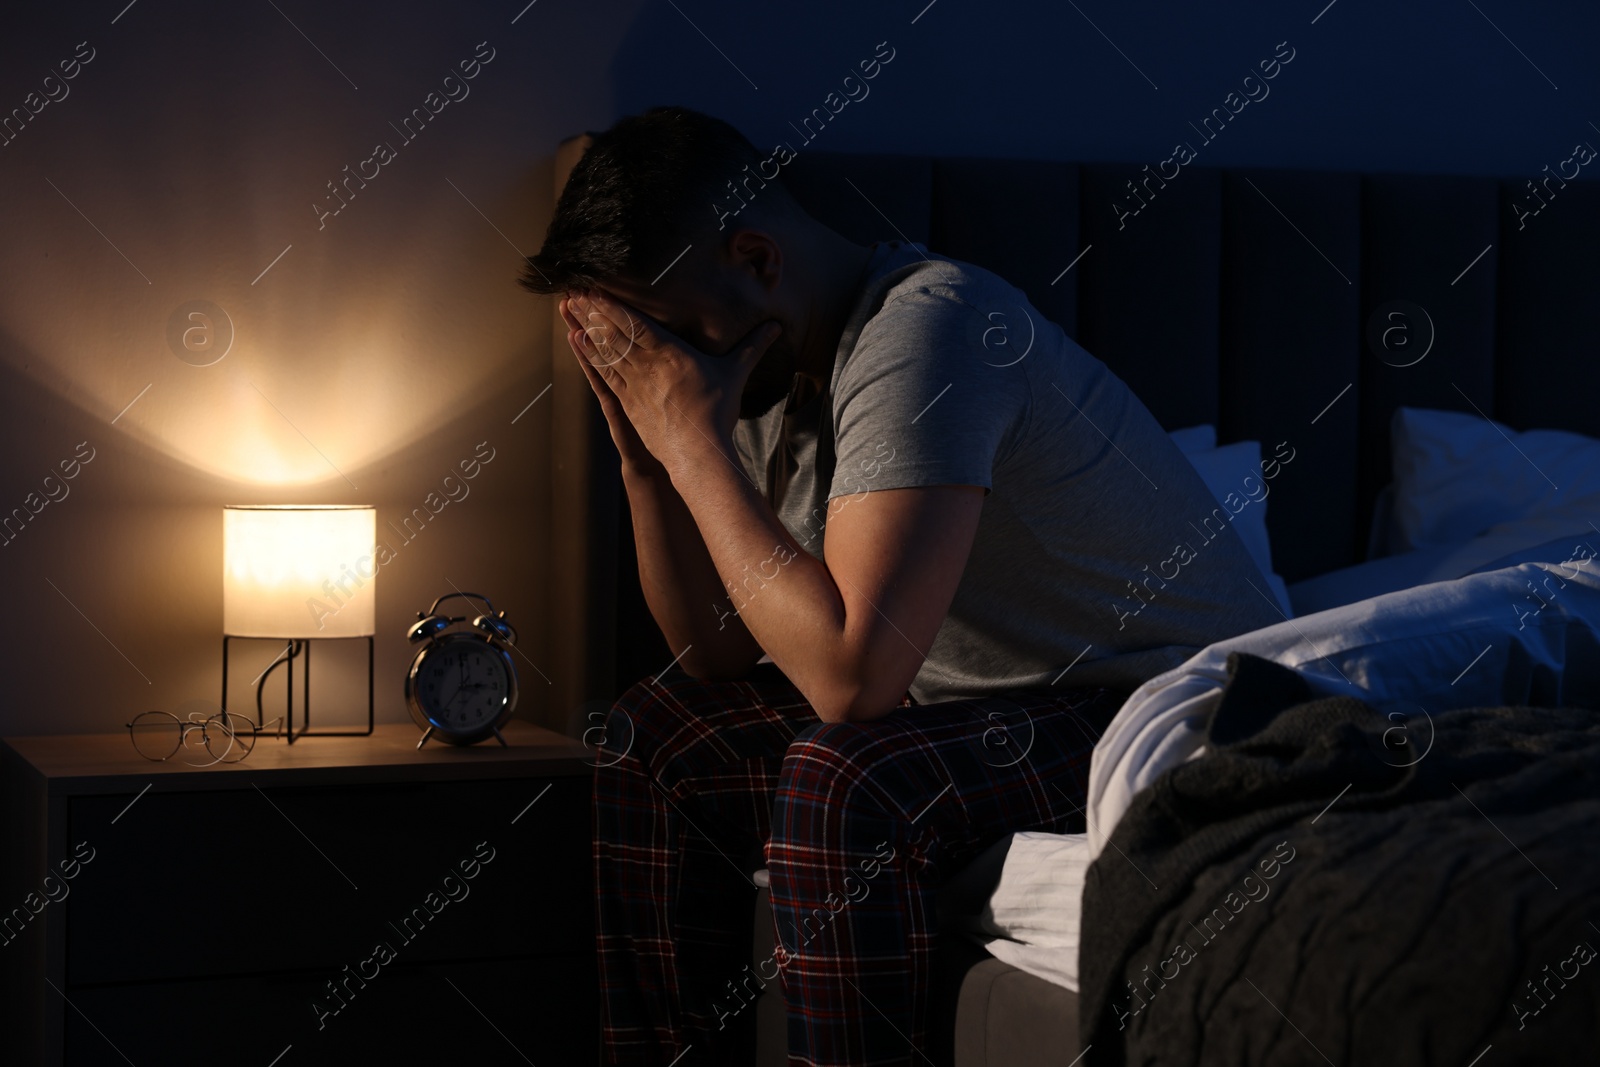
(645, 189)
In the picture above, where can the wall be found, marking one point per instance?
(1427, 86)
(374, 348)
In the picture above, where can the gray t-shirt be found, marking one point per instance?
(1092, 549)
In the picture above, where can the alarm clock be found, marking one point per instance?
(461, 685)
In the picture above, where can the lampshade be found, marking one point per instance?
(298, 571)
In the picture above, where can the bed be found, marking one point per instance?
(1319, 309)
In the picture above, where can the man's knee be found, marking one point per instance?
(643, 723)
(850, 748)
(675, 724)
(830, 745)
(832, 797)
(838, 759)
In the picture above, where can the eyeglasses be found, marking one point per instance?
(228, 738)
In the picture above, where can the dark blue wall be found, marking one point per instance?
(1428, 86)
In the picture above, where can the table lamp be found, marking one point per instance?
(298, 573)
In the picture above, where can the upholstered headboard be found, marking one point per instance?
(1256, 300)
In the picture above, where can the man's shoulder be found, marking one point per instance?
(925, 282)
(943, 316)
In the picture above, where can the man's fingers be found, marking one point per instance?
(587, 359)
(575, 342)
(596, 300)
(614, 324)
(604, 389)
(601, 389)
(610, 343)
(571, 316)
(592, 341)
(601, 344)
(568, 316)
(578, 342)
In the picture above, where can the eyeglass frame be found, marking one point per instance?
(195, 722)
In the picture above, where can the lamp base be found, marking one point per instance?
(299, 646)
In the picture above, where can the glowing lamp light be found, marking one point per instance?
(289, 570)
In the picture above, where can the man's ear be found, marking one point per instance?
(757, 254)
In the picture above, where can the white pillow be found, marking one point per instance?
(1456, 475)
(1224, 471)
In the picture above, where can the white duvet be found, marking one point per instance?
(1524, 634)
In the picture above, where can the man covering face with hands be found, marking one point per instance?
(657, 377)
(880, 505)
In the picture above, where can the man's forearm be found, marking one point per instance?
(788, 599)
(681, 584)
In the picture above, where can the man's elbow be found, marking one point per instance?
(847, 703)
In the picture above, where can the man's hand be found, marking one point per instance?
(636, 458)
(680, 403)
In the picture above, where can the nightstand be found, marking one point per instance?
(346, 900)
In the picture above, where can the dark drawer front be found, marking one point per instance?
(410, 1014)
(187, 885)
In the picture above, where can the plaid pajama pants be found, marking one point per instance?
(698, 784)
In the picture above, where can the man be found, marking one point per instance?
(909, 538)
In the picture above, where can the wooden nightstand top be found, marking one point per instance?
(107, 763)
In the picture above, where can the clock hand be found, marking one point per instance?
(453, 694)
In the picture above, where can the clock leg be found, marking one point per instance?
(498, 736)
(425, 735)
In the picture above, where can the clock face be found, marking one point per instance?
(462, 685)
